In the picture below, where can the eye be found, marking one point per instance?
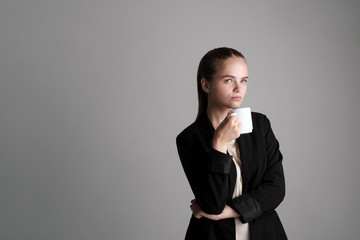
(228, 80)
(244, 81)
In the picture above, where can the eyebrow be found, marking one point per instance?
(231, 76)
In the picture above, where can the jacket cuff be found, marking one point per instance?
(247, 207)
(219, 162)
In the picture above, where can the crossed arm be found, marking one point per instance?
(208, 173)
(228, 212)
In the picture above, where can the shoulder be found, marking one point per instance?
(258, 117)
(189, 132)
(199, 133)
(262, 126)
(260, 121)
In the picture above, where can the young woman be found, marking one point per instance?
(237, 180)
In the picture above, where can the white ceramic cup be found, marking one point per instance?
(244, 116)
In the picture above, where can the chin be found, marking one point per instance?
(234, 106)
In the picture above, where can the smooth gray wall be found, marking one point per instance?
(93, 94)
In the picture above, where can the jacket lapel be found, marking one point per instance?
(245, 146)
(206, 129)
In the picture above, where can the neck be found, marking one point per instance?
(216, 116)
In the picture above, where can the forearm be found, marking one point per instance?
(228, 212)
(265, 197)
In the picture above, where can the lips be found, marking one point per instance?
(236, 98)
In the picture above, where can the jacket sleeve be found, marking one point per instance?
(271, 190)
(207, 171)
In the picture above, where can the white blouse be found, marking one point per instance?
(241, 229)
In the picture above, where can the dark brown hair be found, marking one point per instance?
(207, 68)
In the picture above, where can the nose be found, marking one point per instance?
(237, 86)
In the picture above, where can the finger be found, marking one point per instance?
(193, 205)
(234, 124)
(195, 208)
(233, 120)
(226, 119)
(229, 115)
(198, 214)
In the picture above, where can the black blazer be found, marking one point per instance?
(212, 176)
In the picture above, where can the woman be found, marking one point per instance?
(237, 180)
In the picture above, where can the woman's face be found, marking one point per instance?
(228, 87)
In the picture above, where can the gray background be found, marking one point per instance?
(93, 94)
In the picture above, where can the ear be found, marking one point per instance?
(205, 85)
